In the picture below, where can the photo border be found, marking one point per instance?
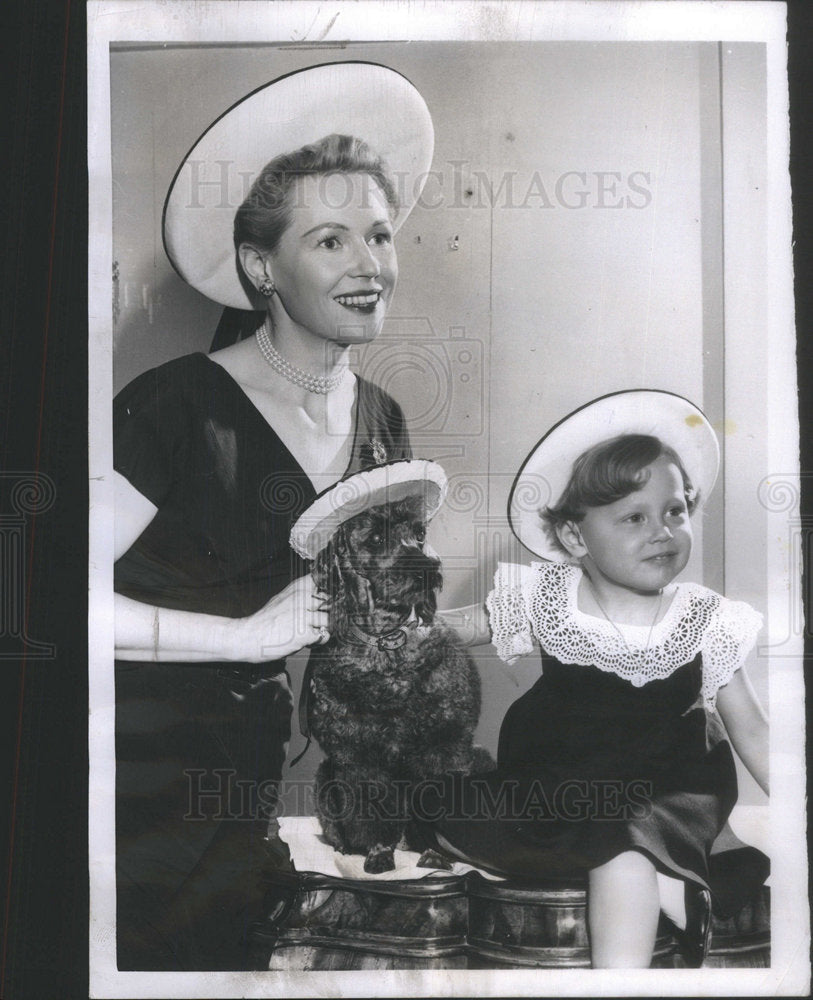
(223, 22)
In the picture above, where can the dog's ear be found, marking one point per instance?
(426, 607)
(357, 595)
(327, 577)
(323, 570)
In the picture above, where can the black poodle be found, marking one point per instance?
(394, 697)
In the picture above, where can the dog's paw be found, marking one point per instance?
(431, 859)
(379, 859)
(482, 761)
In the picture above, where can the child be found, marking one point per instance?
(615, 764)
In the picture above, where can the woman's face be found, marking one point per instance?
(335, 267)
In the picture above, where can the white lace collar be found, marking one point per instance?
(629, 651)
(541, 601)
(638, 637)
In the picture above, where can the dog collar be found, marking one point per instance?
(388, 641)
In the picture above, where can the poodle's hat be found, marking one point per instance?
(383, 484)
(544, 475)
(365, 100)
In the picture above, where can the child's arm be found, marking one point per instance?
(502, 619)
(470, 623)
(747, 725)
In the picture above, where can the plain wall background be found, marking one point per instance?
(594, 222)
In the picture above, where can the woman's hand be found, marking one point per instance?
(294, 618)
(291, 620)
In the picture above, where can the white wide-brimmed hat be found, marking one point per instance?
(544, 475)
(365, 100)
(382, 484)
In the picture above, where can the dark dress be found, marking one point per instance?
(200, 746)
(593, 763)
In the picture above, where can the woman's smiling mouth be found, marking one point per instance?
(364, 300)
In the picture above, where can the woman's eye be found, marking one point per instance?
(678, 511)
(634, 518)
(381, 239)
(330, 243)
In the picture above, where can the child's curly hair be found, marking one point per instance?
(608, 472)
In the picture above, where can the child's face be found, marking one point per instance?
(642, 541)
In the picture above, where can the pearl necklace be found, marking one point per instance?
(635, 654)
(313, 383)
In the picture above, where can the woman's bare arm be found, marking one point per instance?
(289, 621)
(132, 512)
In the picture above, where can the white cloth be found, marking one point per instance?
(310, 852)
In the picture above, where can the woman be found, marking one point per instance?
(215, 458)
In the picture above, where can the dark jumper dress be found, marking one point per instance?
(200, 746)
(592, 763)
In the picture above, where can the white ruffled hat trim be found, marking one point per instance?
(383, 484)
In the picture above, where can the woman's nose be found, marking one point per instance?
(364, 262)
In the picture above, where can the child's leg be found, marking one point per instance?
(672, 894)
(623, 909)
(688, 906)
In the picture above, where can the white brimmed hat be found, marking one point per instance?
(546, 472)
(382, 484)
(365, 100)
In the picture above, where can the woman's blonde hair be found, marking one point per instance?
(266, 212)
